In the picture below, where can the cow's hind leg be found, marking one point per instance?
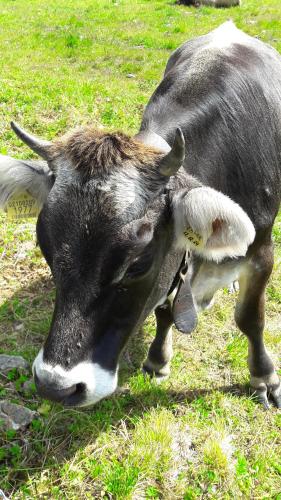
(160, 352)
(249, 316)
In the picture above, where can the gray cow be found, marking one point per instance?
(211, 3)
(132, 225)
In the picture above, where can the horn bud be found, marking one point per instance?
(173, 160)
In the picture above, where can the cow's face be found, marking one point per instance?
(107, 225)
(105, 255)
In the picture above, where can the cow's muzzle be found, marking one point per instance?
(54, 392)
(82, 385)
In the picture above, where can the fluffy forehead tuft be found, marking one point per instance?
(94, 152)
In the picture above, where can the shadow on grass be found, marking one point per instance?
(25, 319)
(66, 432)
(60, 433)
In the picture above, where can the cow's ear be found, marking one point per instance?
(211, 224)
(17, 176)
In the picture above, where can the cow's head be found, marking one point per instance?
(116, 219)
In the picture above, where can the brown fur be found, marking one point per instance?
(95, 152)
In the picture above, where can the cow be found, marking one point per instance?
(211, 3)
(160, 221)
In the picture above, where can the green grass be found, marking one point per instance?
(199, 435)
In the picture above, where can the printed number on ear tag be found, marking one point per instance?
(195, 238)
(22, 206)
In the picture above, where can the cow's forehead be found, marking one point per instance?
(119, 197)
(95, 220)
(92, 235)
(95, 153)
(119, 192)
(122, 168)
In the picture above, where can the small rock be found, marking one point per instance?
(6, 422)
(8, 363)
(131, 75)
(13, 416)
(28, 386)
(19, 256)
(19, 327)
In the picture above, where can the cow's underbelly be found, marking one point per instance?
(209, 277)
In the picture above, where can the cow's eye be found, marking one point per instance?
(138, 268)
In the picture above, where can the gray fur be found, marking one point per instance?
(212, 3)
(224, 90)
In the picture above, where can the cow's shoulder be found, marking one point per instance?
(208, 50)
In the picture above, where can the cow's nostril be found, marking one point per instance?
(52, 391)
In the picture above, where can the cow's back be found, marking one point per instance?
(224, 90)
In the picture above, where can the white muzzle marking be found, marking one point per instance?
(98, 382)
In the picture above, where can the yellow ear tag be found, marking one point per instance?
(22, 206)
(195, 238)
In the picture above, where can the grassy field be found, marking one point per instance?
(199, 435)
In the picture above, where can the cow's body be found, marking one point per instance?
(224, 91)
(212, 3)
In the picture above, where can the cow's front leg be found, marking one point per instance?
(160, 352)
(249, 317)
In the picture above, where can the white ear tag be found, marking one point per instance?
(22, 206)
(194, 238)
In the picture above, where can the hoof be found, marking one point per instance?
(155, 371)
(233, 287)
(266, 389)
